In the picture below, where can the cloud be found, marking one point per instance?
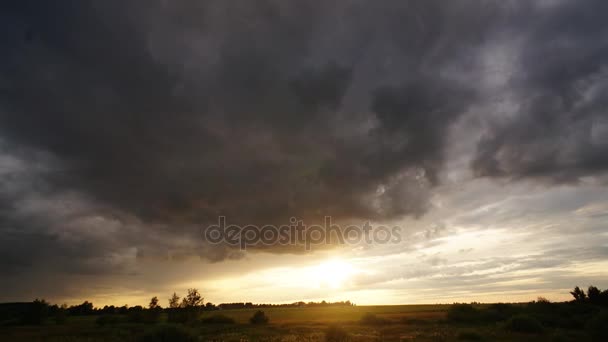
(556, 131)
(126, 126)
(179, 112)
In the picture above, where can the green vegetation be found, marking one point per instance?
(259, 317)
(524, 323)
(372, 319)
(336, 333)
(218, 319)
(189, 319)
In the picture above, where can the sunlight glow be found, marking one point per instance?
(333, 273)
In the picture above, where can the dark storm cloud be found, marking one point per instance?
(163, 115)
(559, 129)
(177, 112)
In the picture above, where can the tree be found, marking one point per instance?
(193, 299)
(61, 314)
(174, 301)
(153, 303)
(578, 294)
(85, 308)
(189, 310)
(594, 294)
(36, 313)
(604, 298)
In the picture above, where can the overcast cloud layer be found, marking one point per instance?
(126, 126)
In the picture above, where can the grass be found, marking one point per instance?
(399, 323)
(338, 314)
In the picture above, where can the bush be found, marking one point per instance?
(176, 315)
(152, 316)
(371, 319)
(336, 333)
(168, 334)
(469, 336)
(140, 315)
(498, 312)
(136, 315)
(596, 326)
(524, 324)
(259, 317)
(36, 312)
(463, 313)
(61, 316)
(183, 315)
(108, 320)
(217, 319)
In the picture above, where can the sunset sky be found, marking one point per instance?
(477, 127)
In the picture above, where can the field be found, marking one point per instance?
(354, 323)
(339, 314)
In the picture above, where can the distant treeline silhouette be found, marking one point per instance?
(179, 310)
(192, 305)
(586, 312)
(233, 306)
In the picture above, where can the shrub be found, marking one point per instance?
(168, 334)
(371, 319)
(463, 313)
(259, 317)
(151, 316)
(596, 326)
(524, 324)
(136, 315)
(336, 333)
(61, 315)
(36, 313)
(140, 315)
(86, 308)
(498, 312)
(183, 315)
(177, 316)
(217, 319)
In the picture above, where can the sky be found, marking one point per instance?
(478, 128)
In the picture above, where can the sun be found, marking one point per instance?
(333, 273)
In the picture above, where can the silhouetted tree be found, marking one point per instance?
(189, 309)
(136, 314)
(37, 312)
(593, 293)
(542, 300)
(193, 299)
(578, 294)
(153, 303)
(85, 308)
(174, 301)
(61, 314)
(604, 298)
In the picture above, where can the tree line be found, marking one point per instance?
(178, 310)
